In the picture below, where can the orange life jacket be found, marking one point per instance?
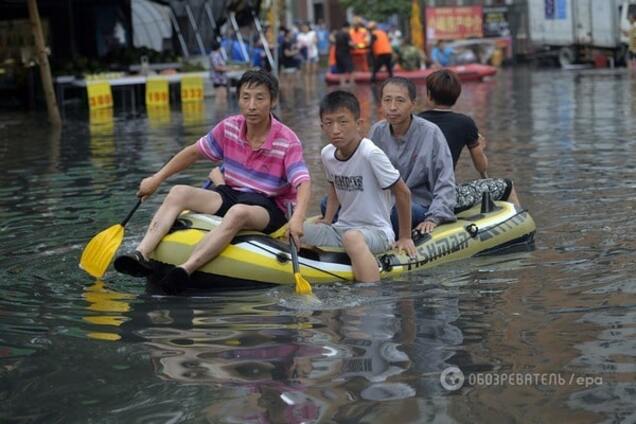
(381, 45)
(360, 39)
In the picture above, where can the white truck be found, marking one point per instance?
(575, 30)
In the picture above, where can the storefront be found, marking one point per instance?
(477, 31)
(77, 33)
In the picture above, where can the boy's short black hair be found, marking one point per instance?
(340, 99)
(259, 77)
(402, 82)
(444, 87)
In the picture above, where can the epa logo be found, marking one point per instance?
(452, 378)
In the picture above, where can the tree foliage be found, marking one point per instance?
(379, 10)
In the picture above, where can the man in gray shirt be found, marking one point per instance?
(418, 149)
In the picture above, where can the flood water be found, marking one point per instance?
(542, 336)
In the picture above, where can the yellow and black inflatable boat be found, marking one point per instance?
(256, 258)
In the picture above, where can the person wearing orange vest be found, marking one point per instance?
(331, 62)
(381, 50)
(360, 39)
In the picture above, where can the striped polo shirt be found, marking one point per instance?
(274, 170)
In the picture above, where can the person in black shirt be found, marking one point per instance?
(289, 59)
(344, 62)
(443, 89)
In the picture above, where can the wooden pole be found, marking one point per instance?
(275, 30)
(43, 61)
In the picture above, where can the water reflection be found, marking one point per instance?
(280, 364)
(257, 353)
(112, 304)
(158, 115)
(101, 121)
(193, 112)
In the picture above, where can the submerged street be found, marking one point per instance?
(76, 350)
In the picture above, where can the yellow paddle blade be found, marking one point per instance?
(99, 252)
(302, 285)
(111, 337)
(280, 232)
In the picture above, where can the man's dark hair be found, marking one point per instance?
(259, 77)
(402, 82)
(340, 99)
(444, 87)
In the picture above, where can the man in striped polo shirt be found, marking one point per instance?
(264, 170)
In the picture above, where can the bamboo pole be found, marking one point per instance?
(43, 61)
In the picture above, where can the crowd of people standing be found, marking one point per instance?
(362, 46)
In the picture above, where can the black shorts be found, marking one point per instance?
(233, 197)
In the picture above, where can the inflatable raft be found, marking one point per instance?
(471, 72)
(256, 258)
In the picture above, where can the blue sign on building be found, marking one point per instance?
(556, 9)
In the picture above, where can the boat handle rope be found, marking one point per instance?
(281, 257)
(472, 230)
(476, 231)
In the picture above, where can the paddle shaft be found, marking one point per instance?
(292, 243)
(134, 209)
(294, 254)
(130, 214)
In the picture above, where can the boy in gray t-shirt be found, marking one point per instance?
(361, 179)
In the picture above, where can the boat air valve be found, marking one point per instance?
(472, 229)
(386, 263)
(282, 257)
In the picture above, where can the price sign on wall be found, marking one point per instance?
(99, 95)
(192, 89)
(454, 23)
(157, 92)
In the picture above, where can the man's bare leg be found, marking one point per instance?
(179, 198)
(238, 217)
